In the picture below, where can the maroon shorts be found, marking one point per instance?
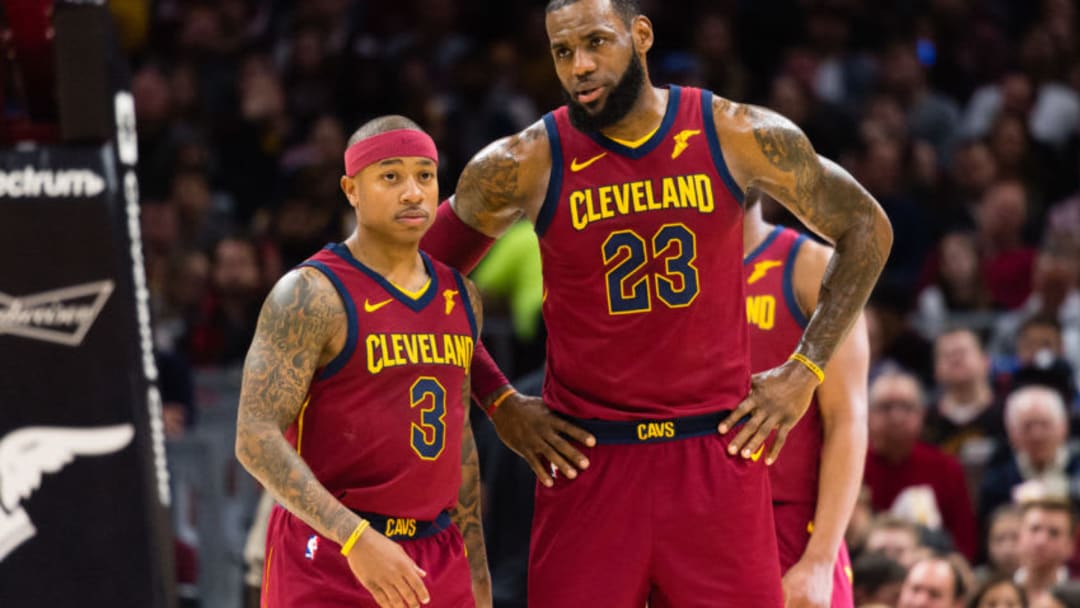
(305, 569)
(676, 523)
(793, 529)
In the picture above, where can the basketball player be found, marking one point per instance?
(815, 481)
(352, 408)
(636, 194)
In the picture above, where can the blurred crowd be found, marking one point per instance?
(962, 117)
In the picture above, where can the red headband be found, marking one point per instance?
(399, 142)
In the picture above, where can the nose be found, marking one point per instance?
(583, 64)
(413, 193)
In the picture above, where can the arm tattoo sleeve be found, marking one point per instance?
(296, 321)
(829, 201)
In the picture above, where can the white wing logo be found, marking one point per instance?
(29, 453)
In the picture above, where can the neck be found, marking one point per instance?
(893, 454)
(974, 392)
(645, 116)
(755, 229)
(1039, 579)
(398, 262)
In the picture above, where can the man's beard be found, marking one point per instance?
(618, 104)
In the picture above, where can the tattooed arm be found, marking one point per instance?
(466, 514)
(302, 327)
(765, 150)
(293, 338)
(505, 180)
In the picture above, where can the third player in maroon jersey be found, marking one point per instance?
(815, 480)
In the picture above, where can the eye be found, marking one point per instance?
(597, 41)
(562, 52)
(390, 176)
(426, 176)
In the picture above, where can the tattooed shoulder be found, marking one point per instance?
(766, 150)
(504, 180)
(300, 328)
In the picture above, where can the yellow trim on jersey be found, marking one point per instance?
(636, 142)
(415, 295)
(300, 423)
(266, 578)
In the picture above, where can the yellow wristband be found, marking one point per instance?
(494, 404)
(360, 527)
(810, 365)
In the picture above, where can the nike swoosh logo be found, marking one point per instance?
(369, 307)
(576, 166)
(761, 269)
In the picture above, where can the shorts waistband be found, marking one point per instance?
(406, 528)
(625, 432)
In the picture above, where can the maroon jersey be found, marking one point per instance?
(776, 325)
(641, 252)
(382, 424)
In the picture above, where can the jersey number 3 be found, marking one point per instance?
(428, 437)
(676, 286)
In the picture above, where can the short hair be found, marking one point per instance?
(625, 9)
(1054, 505)
(1057, 404)
(872, 571)
(1006, 510)
(888, 521)
(380, 125)
(899, 373)
(956, 328)
(985, 588)
(1039, 320)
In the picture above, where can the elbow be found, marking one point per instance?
(239, 449)
(883, 231)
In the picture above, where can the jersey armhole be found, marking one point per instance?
(709, 122)
(789, 285)
(346, 353)
(551, 198)
(467, 301)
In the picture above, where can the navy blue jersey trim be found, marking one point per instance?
(714, 146)
(665, 125)
(789, 288)
(764, 244)
(416, 304)
(350, 314)
(467, 301)
(551, 199)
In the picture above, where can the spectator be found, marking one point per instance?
(1001, 540)
(934, 582)
(896, 539)
(931, 117)
(998, 593)
(229, 312)
(1047, 540)
(1037, 427)
(966, 421)
(877, 579)
(911, 477)
(956, 292)
(1056, 297)
(1005, 260)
